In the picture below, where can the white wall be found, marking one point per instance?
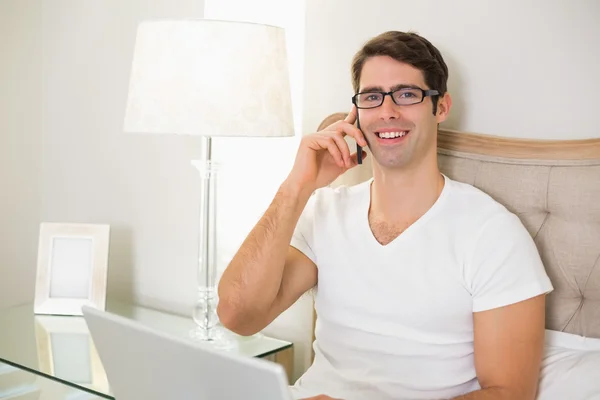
(20, 149)
(518, 68)
(142, 185)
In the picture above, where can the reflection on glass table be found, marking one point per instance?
(18, 384)
(62, 349)
(66, 351)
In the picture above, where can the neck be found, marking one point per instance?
(402, 196)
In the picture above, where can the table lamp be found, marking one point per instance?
(209, 78)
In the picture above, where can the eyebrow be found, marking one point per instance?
(393, 88)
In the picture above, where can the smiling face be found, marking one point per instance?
(399, 137)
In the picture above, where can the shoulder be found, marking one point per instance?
(480, 221)
(339, 198)
(471, 213)
(473, 205)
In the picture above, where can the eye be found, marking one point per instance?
(407, 95)
(372, 97)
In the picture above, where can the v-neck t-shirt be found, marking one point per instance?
(395, 321)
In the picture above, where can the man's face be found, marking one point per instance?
(416, 122)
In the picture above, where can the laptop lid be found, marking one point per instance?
(144, 364)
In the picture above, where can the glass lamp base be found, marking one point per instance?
(217, 338)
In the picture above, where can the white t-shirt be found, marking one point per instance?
(396, 321)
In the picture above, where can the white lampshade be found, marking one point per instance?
(209, 78)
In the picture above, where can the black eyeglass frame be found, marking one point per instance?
(424, 92)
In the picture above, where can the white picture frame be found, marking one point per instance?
(72, 268)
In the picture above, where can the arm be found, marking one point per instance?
(266, 275)
(508, 350)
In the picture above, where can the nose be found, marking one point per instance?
(389, 109)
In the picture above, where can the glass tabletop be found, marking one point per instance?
(18, 384)
(61, 347)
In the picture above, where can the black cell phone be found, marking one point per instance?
(358, 148)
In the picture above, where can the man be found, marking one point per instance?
(427, 288)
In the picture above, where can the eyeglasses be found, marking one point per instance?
(402, 97)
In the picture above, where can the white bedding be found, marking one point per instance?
(570, 368)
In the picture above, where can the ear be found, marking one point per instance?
(443, 109)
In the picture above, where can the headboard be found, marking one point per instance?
(554, 187)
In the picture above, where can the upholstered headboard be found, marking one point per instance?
(554, 187)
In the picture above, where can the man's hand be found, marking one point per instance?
(320, 397)
(323, 156)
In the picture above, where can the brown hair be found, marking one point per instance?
(409, 48)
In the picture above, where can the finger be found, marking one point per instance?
(344, 149)
(351, 130)
(351, 117)
(354, 158)
(328, 143)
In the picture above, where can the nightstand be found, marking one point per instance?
(19, 384)
(60, 348)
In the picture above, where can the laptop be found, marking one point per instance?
(144, 364)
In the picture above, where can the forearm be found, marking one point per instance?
(253, 278)
(488, 394)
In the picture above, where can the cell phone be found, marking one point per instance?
(358, 147)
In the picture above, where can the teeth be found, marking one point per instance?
(391, 135)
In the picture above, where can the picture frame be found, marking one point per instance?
(72, 268)
(66, 351)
